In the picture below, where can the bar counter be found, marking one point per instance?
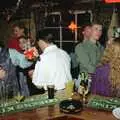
(41, 108)
(53, 113)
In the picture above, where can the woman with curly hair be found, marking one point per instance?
(106, 80)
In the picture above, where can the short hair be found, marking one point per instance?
(21, 25)
(96, 23)
(81, 30)
(84, 26)
(45, 35)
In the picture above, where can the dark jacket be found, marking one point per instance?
(9, 85)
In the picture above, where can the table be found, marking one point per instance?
(50, 111)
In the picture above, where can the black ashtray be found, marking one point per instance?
(70, 106)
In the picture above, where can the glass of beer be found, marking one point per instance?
(69, 88)
(51, 91)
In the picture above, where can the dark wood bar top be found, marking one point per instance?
(53, 113)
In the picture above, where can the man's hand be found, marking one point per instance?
(2, 73)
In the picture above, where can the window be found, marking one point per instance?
(58, 24)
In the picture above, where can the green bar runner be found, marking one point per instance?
(32, 102)
(103, 103)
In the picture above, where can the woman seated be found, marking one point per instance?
(106, 80)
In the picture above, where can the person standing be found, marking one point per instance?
(18, 31)
(23, 82)
(18, 41)
(90, 51)
(84, 35)
(9, 59)
(108, 79)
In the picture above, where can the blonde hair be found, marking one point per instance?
(112, 56)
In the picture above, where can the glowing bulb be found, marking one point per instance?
(72, 26)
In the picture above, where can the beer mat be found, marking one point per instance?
(32, 102)
(103, 103)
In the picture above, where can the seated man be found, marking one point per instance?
(54, 65)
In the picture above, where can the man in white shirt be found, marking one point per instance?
(54, 65)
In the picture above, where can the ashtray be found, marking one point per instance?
(116, 113)
(70, 106)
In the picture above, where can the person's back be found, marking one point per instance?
(54, 67)
(54, 64)
(10, 81)
(112, 57)
(9, 59)
(60, 64)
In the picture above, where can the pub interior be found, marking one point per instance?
(59, 59)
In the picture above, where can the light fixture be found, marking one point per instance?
(72, 26)
(112, 1)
